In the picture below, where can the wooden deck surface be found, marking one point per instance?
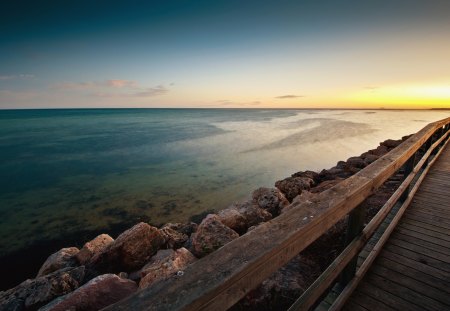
(412, 272)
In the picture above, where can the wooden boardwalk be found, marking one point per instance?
(412, 272)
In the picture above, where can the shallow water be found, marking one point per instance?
(71, 171)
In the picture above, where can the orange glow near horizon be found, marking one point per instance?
(403, 97)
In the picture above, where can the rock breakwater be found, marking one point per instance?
(105, 270)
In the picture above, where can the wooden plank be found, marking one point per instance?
(415, 285)
(415, 264)
(369, 303)
(354, 307)
(420, 257)
(405, 293)
(443, 238)
(427, 226)
(437, 199)
(428, 279)
(422, 212)
(438, 203)
(419, 242)
(436, 221)
(394, 243)
(391, 300)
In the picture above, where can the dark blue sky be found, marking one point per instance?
(213, 53)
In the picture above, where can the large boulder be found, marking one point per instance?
(356, 162)
(308, 174)
(293, 186)
(241, 216)
(185, 228)
(282, 287)
(390, 143)
(379, 151)
(163, 265)
(174, 239)
(98, 293)
(270, 199)
(32, 294)
(63, 258)
(93, 247)
(325, 185)
(233, 218)
(211, 234)
(130, 251)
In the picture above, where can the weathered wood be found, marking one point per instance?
(222, 278)
(417, 265)
(389, 299)
(425, 257)
(403, 236)
(428, 279)
(406, 293)
(371, 303)
(408, 167)
(351, 286)
(354, 228)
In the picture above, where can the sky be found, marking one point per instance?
(225, 54)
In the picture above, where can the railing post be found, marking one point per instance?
(355, 225)
(408, 167)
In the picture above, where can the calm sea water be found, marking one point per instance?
(73, 173)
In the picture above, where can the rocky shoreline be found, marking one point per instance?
(106, 270)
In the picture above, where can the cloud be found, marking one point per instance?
(143, 92)
(121, 83)
(289, 96)
(113, 88)
(18, 76)
(226, 102)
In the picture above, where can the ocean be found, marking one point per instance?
(69, 174)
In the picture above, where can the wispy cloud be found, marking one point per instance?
(21, 76)
(226, 102)
(142, 92)
(289, 96)
(371, 88)
(113, 88)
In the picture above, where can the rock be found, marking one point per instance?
(93, 247)
(356, 162)
(380, 151)
(327, 184)
(233, 219)
(240, 216)
(32, 294)
(304, 197)
(283, 287)
(253, 214)
(269, 199)
(370, 158)
(187, 229)
(390, 143)
(130, 251)
(163, 265)
(174, 239)
(211, 235)
(98, 293)
(308, 174)
(293, 186)
(61, 259)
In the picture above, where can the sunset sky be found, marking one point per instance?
(280, 54)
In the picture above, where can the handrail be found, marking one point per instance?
(350, 287)
(324, 281)
(219, 280)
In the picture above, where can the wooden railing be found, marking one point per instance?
(219, 280)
